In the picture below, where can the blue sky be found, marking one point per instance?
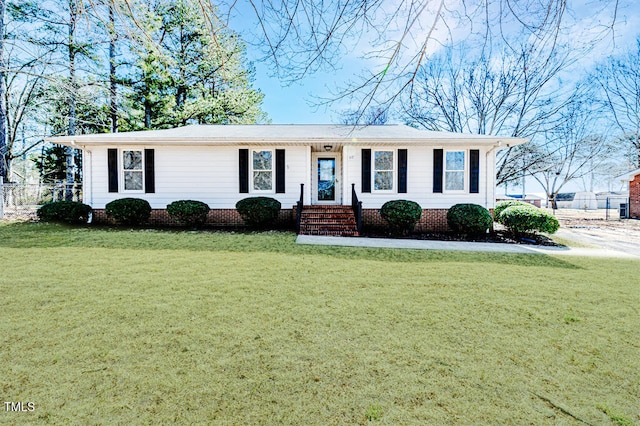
(293, 103)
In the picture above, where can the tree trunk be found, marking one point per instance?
(70, 178)
(147, 114)
(4, 169)
(113, 90)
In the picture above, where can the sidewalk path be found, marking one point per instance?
(459, 246)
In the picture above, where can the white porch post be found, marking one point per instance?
(309, 178)
(87, 179)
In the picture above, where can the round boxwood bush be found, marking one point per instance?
(129, 211)
(188, 212)
(502, 205)
(401, 215)
(523, 219)
(469, 219)
(72, 212)
(258, 212)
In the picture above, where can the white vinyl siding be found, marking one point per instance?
(208, 174)
(420, 179)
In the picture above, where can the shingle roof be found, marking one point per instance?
(292, 133)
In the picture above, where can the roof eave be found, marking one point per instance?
(629, 176)
(84, 141)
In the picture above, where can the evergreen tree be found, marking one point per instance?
(52, 164)
(185, 73)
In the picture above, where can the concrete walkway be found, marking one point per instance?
(458, 246)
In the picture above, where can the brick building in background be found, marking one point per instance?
(634, 196)
(634, 192)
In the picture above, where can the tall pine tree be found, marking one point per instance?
(185, 73)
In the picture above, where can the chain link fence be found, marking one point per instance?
(616, 208)
(21, 200)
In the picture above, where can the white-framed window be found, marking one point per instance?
(262, 166)
(454, 170)
(383, 170)
(132, 170)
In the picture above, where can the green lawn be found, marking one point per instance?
(102, 326)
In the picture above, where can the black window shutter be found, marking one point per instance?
(149, 171)
(366, 170)
(438, 157)
(244, 170)
(280, 171)
(474, 171)
(112, 169)
(402, 171)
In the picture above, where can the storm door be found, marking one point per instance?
(326, 178)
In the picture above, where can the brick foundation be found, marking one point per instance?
(432, 220)
(219, 218)
(634, 197)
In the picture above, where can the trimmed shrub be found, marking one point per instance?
(502, 205)
(522, 220)
(72, 212)
(188, 212)
(258, 212)
(470, 219)
(401, 215)
(129, 211)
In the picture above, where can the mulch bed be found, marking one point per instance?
(497, 236)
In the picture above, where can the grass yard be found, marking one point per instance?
(101, 326)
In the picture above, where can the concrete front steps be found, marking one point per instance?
(329, 221)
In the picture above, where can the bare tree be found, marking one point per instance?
(23, 75)
(23, 98)
(620, 83)
(514, 92)
(373, 116)
(3, 89)
(570, 151)
(113, 79)
(300, 37)
(63, 29)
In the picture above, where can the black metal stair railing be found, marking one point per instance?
(356, 205)
(299, 205)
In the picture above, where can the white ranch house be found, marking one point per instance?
(319, 165)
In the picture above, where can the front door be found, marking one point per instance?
(326, 184)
